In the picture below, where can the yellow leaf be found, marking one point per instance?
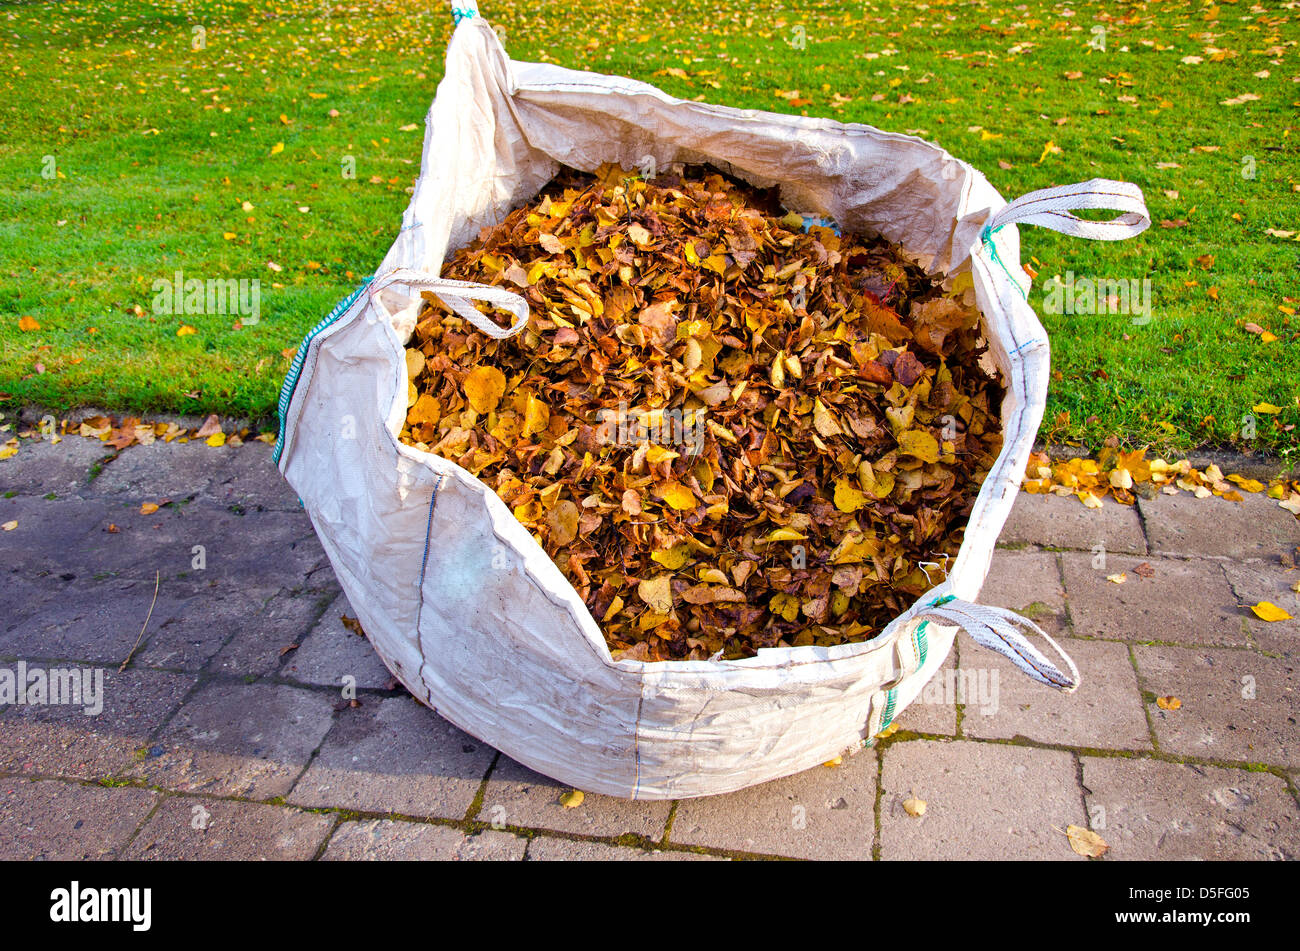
(148, 508)
(1117, 579)
(414, 363)
(537, 415)
(185, 330)
(914, 807)
(784, 535)
(572, 799)
(484, 387)
(10, 526)
(672, 558)
(656, 593)
(834, 761)
(277, 148)
(919, 443)
(28, 323)
(847, 498)
(1168, 703)
(677, 495)
(1051, 148)
(217, 439)
(825, 423)
(1086, 842)
(1267, 611)
(1266, 408)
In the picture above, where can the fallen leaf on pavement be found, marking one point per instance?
(914, 807)
(1268, 611)
(572, 799)
(1086, 842)
(1168, 703)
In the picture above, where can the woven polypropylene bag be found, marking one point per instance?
(456, 596)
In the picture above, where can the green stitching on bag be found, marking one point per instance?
(888, 718)
(295, 369)
(921, 640)
(987, 239)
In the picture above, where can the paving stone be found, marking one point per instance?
(386, 840)
(822, 813)
(23, 596)
(264, 548)
(1029, 583)
(1104, 713)
(237, 739)
(41, 466)
(1252, 528)
(58, 821)
(934, 710)
(545, 848)
(1186, 600)
(62, 740)
(398, 756)
(984, 801)
(94, 621)
(1153, 811)
(250, 478)
(172, 470)
(1055, 522)
(1236, 705)
(331, 652)
(257, 645)
(1266, 580)
(51, 535)
(217, 612)
(517, 796)
(227, 830)
(72, 536)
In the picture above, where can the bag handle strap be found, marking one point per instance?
(1051, 207)
(995, 628)
(457, 295)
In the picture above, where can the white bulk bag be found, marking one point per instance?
(457, 597)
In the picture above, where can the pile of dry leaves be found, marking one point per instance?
(729, 432)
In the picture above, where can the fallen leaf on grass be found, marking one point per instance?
(1086, 842)
(1268, 611)
(28, 323)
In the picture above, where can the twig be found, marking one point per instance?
(157, 576)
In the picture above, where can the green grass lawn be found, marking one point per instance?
(127, 154)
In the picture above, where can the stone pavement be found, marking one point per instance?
(228, 735)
